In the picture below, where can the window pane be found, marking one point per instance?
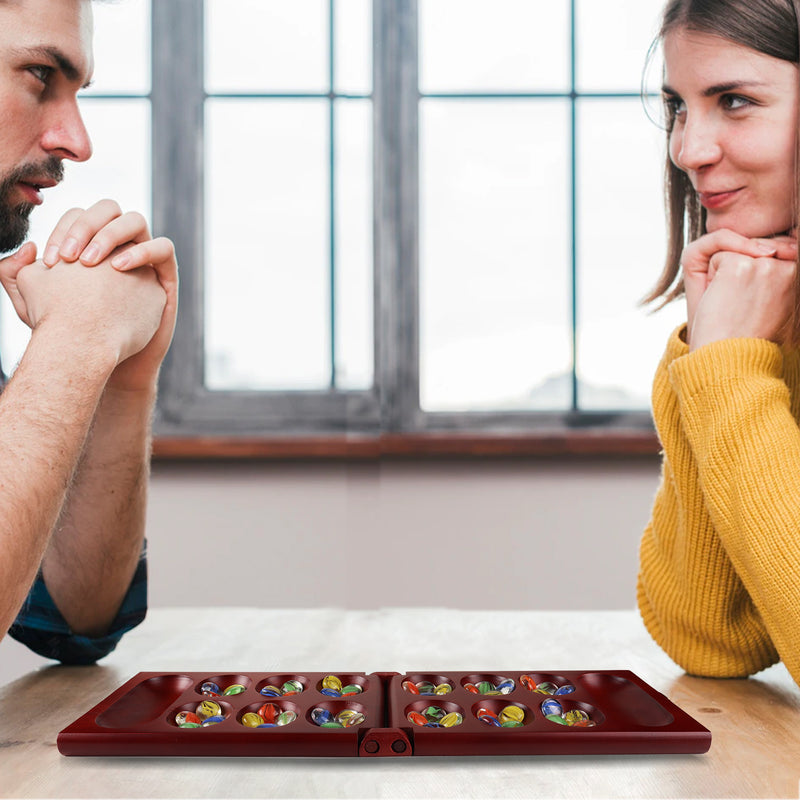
(121, 48)
(622, 248)
(353, 46)
(267, 245)
(488, 45)
(354, 284)
(612, 38)
(267, 46)
(119, 168)
(494, 259)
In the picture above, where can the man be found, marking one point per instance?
(75, 418)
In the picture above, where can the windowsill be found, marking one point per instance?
(427, 445)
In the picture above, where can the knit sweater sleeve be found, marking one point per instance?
(719, 581)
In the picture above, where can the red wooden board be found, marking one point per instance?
(629, 715)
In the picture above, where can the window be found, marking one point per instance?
(401, 216)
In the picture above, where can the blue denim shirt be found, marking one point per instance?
(40, 626)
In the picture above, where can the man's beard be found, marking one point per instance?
(14, 222)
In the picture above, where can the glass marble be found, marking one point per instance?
(545, 687)
(410, 687)
(292, 687)
(270, 691)
(425, 687)
(506, 687)
(208, 708)
(567, 688)
(356, 718)
(330, 692)
(557, 718)
(471, 687)
(434, 713)
(186, 716)
(190, 725)
(484, 687)
(215, 720)
(442, 688)
(451, 720)
(551, 706)
(488, 717)
(332, 682)
(352, 688)
(209, 688)
(252, 720)
(528, 682)
(319, 716)
(268, 712)
(285, 717)
(511, 714)
(575, 715)
(234, 688)
(416, 718)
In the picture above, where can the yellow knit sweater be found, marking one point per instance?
(719, 578)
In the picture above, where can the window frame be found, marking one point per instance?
(192, 421)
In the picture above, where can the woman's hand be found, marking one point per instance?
(701, 262)
(745, 297)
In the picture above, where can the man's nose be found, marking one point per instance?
(65, 135)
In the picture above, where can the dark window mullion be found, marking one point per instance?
(573, 212)
(332, 187)
(177, 172)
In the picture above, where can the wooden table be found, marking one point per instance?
(755, 723)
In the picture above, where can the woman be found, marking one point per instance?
(719, 581)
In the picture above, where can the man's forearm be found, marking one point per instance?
(94, 550)
(45, 414)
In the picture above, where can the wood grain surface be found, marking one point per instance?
(755, 723)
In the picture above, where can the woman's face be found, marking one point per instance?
(735, 123)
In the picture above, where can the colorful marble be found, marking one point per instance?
(208, 708)
(268, 712)
(551, 706)
(319, 716)
(332, 682)
(511, 714)
(182, 717)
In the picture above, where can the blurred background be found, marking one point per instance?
(412, 219)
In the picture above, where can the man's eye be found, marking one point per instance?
(41, 72)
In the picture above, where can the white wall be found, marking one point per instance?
(546, 534)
